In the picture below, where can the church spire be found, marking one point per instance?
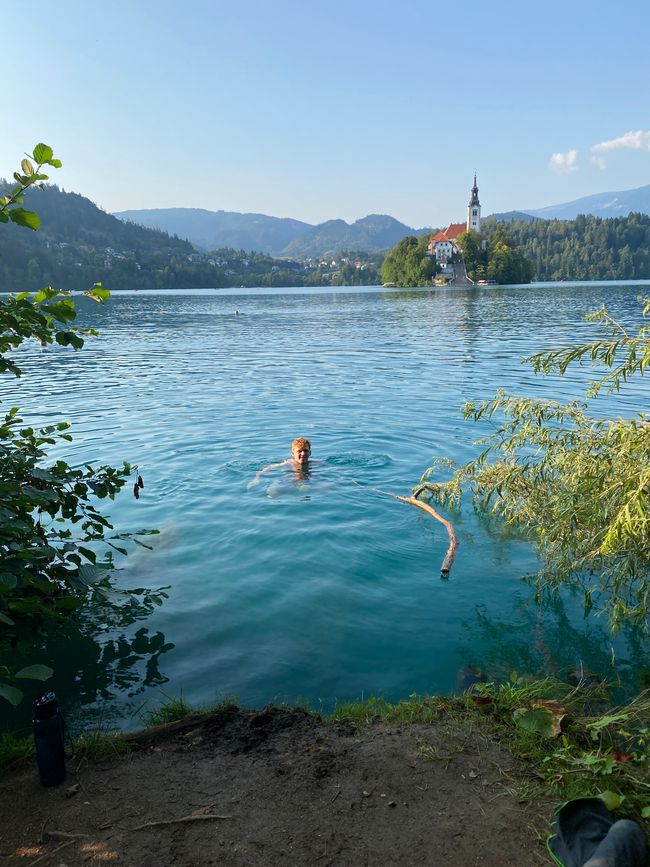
(474, 199)
(474, 210)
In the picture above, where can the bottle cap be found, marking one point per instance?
(45, 706)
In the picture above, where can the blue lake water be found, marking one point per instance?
(320, 591)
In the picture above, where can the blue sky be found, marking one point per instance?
(337, 109)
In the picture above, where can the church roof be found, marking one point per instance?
(453, 230)
(449, 234)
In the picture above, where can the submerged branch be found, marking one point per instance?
(413, 501)
(453, 541)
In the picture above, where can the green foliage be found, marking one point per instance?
(373, 710)
(11, 202)
(13, 749)
(55, 551)
(587, 248)
(506, 263)
(498, 260)
(474, 255)
(408, 264)
(591, 754)
(578, 485)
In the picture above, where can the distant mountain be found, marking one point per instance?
(373, 233)
(509, 216)
(211, 230)
(600, 205)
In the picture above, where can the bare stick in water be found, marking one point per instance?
(453, 541)
(413, 501)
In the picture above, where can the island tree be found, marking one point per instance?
(499, 259)
(408, 263)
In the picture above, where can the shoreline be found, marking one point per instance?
(431, 780)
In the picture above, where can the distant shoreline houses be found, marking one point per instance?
(443, 245)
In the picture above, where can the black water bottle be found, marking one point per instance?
(48, 737)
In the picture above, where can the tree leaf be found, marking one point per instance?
(91, 574)
(11, 694)
(5, 619)
(43, 153)
(28, 219)
(538, 720)
(35, 672)
(612, 800)
(27, 167)
(8, 580)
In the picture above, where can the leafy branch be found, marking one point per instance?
(11, 202)
(626, 355)
(579, 486)
(56, 553)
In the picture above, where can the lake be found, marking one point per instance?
(321, 591)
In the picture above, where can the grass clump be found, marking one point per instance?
(172, 708)
(99, 744)
(13, 748)
(414, 709)
(169, 710)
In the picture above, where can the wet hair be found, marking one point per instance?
(301, 443)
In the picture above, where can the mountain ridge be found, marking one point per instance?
(608, 204)
(210, 230)
(277, 236)
(287, 237)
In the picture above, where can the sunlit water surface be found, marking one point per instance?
(321, 591)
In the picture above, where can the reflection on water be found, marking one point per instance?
(542, 640)
(94, 663)
(331, 592)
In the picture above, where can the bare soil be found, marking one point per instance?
(280, 787)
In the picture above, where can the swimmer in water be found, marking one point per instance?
(299, 462)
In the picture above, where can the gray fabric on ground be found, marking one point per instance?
(587, 836)
(624, 846)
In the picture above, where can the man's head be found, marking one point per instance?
(300, 450)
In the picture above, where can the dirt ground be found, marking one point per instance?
(279, 787)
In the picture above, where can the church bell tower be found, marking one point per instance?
(474, 210)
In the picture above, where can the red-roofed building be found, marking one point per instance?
(443, 244)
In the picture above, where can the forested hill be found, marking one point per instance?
(587, 248)
(74, 219)
(78, 244)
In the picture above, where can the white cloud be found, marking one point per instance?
(598, 161)
(636, 141)
(563, 163)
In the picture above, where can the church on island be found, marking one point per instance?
(443, 244)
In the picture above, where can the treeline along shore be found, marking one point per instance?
(80, 244)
